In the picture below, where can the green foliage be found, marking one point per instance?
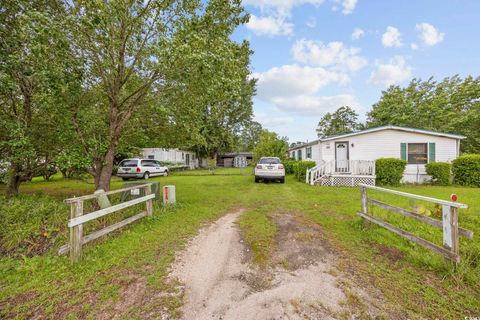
(300, 169)
(31, 224)
(451, 105)
(343, 120)
(389, 171)
(289, 164)
(270, 145)
(466, 170)
(441, 172)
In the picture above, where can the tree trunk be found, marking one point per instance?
(13, 182)
(102, 179)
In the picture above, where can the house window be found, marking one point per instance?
(151, 156)
(308, 153)
(293, 155)
(299, 155)
(417, 153)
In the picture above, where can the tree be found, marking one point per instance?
(209, 87)
(452, 105)
(249, 136)
(270, 145)
(35, 72)
(343, 120)
(123, 46)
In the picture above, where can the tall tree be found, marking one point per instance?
(452, 105)
(123, 44)
(270, 145)
(249, 136)
(36, 71)
(343, 120)
(209, 88)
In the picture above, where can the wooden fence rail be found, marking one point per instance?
(77, 218)
(449, 222)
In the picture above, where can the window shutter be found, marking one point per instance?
(431, 152)
(403, 151)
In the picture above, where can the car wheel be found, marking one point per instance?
(256, 180)
(282, 180)
(146, 175)
(125, 179)
(165, 173)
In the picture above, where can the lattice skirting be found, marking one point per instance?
(346, 180)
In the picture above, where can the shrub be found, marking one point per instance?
(440, 172)
(300, 169)
(466, 170)
(389, 171)
(288, 164)
(31, 224)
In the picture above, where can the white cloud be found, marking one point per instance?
(348, 6)
(315, 105)
(269, 121)
(429, 35)
(392, 37)
(292, 80)
(283, 7)
(357, 33)
(295, 89)
(414, 46)
(394, 71)
(334, 54)
(276, 14)
(270, 25)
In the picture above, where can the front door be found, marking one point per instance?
(187, 159)
(341, 156)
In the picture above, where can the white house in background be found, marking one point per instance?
(176, 156)
(349, 159)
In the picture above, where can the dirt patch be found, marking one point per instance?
(392, 254)
(301, 282)
(299, 243)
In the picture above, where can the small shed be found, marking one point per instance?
(234, 159)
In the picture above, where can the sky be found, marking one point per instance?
(314, 56)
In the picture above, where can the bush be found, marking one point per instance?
(389, 171)
(466, 170)
(440, 172)
(31, 224)
(300, 169)
(288, 164)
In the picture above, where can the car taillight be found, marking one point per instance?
(280, 166)
(138, 169)
(259, 166)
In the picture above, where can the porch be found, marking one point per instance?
(348, 173)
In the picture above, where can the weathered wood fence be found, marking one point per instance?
(449, 222)
(77, 218)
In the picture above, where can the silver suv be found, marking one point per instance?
(140, 168)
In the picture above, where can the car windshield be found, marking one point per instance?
(129, 163)
(269, 161)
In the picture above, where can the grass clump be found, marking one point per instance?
(259, 233)
(31, 224)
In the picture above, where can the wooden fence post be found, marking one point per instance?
(76, 232)
(364, 200)
(149, 203)
(450, 231)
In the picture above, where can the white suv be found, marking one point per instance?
(140, 168)
(269, 168)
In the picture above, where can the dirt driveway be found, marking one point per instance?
(219, 282)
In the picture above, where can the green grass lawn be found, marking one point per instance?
(408, 276)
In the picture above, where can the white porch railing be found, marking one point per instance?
(342, 167)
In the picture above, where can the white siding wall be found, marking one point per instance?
(386, 144)
(170, 155)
